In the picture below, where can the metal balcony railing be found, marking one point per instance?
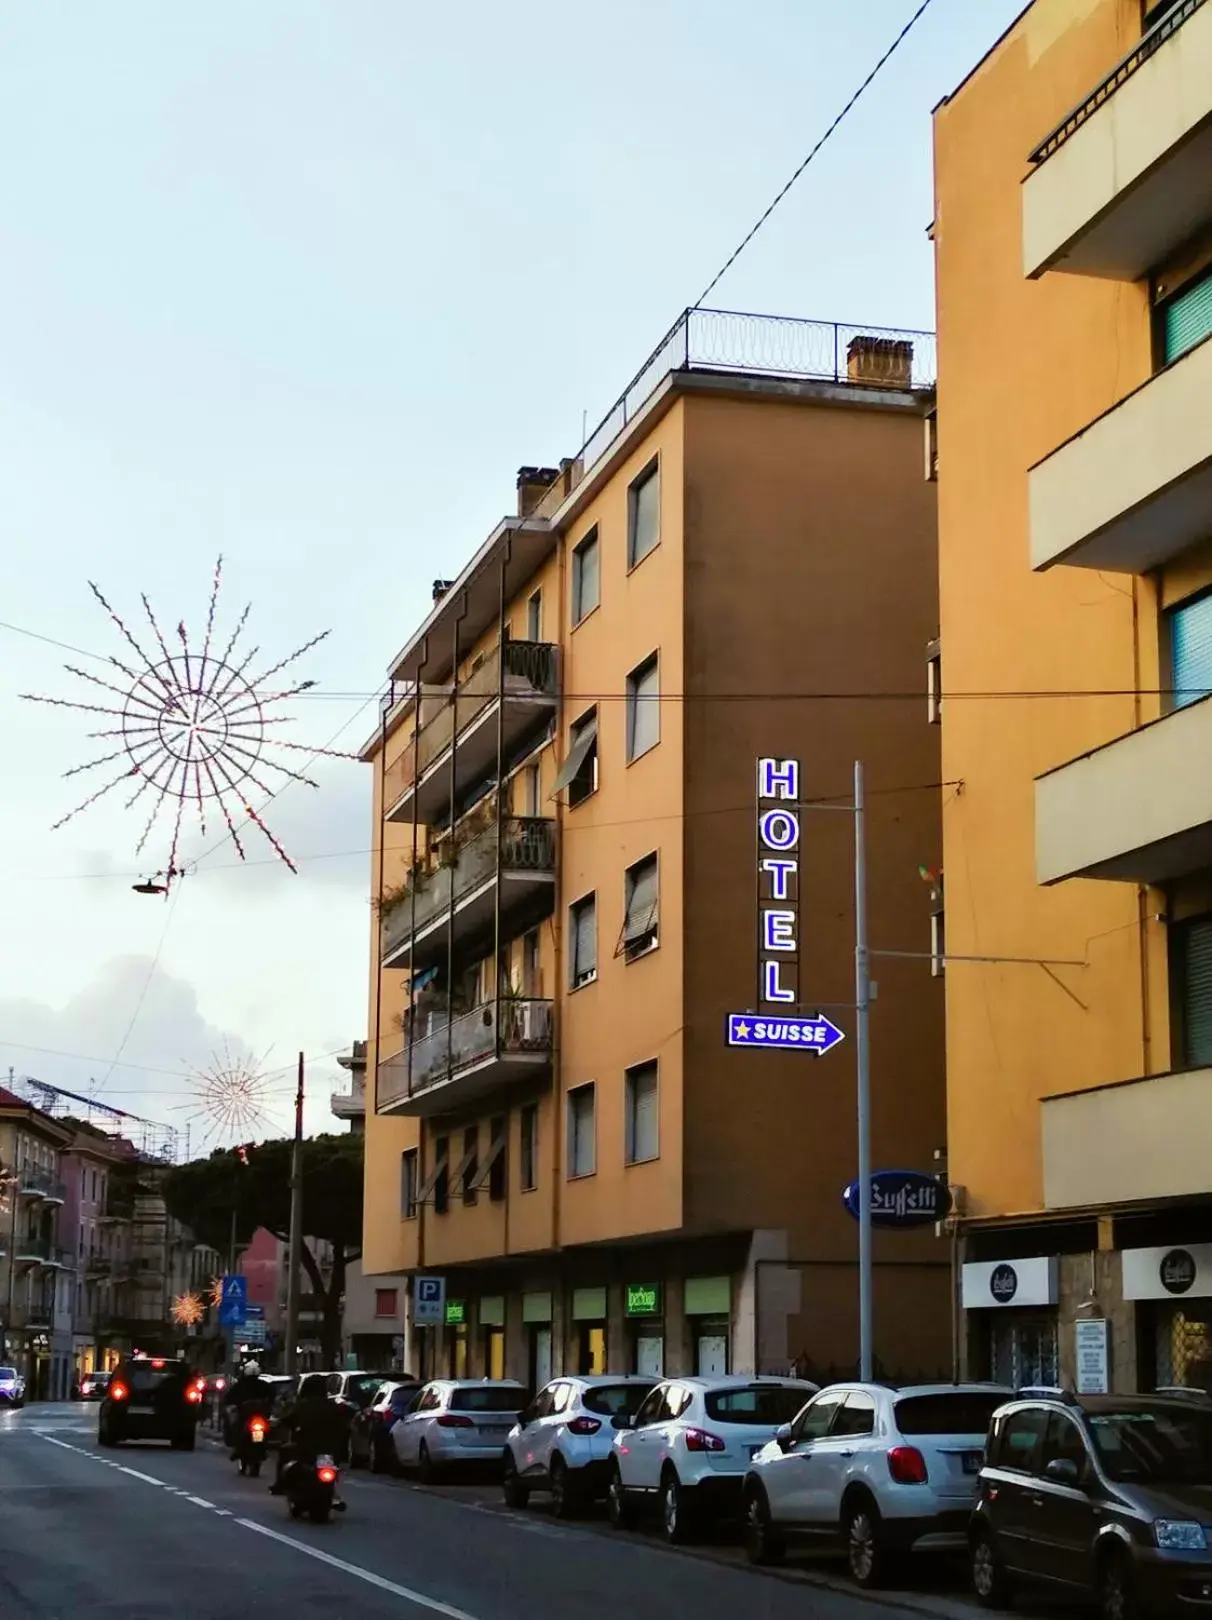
(530, 672)
(39, 1183)
(40, 1251)
(527, 844)
(497, 1029)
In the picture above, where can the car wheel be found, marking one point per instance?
(565, 1493)
(104, 1437)
(620, 1509)
(515, 1493)
(989, 1580)
(675, 1517)
(862, 1532)
(427, 1472)
(763, 1544)
(1117, 1588)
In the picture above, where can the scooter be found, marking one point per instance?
(311, 1490)
(252, 1447)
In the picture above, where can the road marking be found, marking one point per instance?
(371, 1579)
(149, 1479)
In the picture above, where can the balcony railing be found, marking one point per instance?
(527, 844)
(770, 346)
(38, 1183)
(510, 1028)
(40, 1251)
(530, 672)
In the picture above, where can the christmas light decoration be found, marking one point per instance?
(216, 1292)
(193, 729)
(187, 1310)
(231, 1095)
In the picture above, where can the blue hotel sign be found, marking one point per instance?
(775, 1025)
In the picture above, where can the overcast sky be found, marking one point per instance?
(304, 282)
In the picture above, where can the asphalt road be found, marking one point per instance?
(144, 1533)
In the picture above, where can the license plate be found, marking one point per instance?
(143, 1411)
(973, 1461)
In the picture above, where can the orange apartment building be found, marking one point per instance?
(566, 888)
(1073, 234)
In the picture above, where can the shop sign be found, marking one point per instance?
(994, 1284)
(643, 1299)
(456, 1312)
(901, 1198)
(1092, 1354)
(1171, 1272)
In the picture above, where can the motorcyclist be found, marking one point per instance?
(250, 1396)
(314, 1425)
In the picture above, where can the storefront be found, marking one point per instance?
(1013, 1305)
(644, 1315)
(707, 1305)
(1172, 1289)
(536, 1320)
(587, 1319)
(491, 1317)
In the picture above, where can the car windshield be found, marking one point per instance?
(8, 1375)
(963, 1412)
(487, 1398)
(145, 1375)
(612, 1399)
(763, 1405)
(1155, 1443)
(363, 1388)
(402, 1397)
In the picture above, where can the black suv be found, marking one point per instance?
(1103, 1495)
(150, 1399)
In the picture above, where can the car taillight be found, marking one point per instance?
(256, 1427)
(157, 1364)
(584, 1425)
(452, 1420)
(326, 1476)
(118, 1392)
(907, 1466)
(700, 1440)
(193, 1394)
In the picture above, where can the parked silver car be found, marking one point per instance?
(457, 1420)
(563, 1439)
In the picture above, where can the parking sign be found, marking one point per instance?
(429, 1301)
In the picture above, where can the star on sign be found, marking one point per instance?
(742, 1030)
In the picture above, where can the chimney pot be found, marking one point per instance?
(880, 361)
(533, 484)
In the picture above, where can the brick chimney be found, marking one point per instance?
(880, 361)
(533, 484)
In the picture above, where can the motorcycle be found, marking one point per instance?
(252, 1448)
(310, 1489)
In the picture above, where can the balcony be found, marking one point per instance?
(457, 747)
(1138, 810)
(1133, 489)
(1152, 1139)
(40, 1252)
(1126, 177)
(461, 1060)
(463, 894)
(36, 1183)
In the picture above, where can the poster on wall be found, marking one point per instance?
(1092, 1351)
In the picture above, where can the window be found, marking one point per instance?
(534, 617)
(1187, 318)
(938, 944)
(930, 423)
(532, 983)
(441, 1183)
(530, 1147)
(643, 708)
(586, 589)
(579, 772)
(641, 904)
(1194, 943)
(582, 1147)
(408, 1184)
(857, 1416)
(768, 1404)
(934, 684)
(814, 1421)
(385, 1301)
(470, 1167)
(643, 1114)
(1190, 635)
(498, 1159)
(1063, 1443)
(1016, 1445)
(963, 1412)
(644, 514)
(583, 938)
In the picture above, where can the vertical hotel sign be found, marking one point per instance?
(776, 1022)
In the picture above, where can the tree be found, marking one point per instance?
(204, 1193)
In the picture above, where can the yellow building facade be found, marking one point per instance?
(1073, 239)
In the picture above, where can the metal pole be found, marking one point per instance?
(296, 1230)
(862, 998)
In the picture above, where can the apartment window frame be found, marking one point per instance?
(650, 1068)
(637, 700)
(441, 1183)
(930, 445)
(934, 683)
(587, 1092)
(588, 545)
(528, 1142)
(389, 1298)
(632, 947)
(1171, 699)
(578, 978)
(648, 477)
(534, 616)
(1181, 931)
(938, 943)
(469, 1167)
(410, 1165)
(498, 1161)
(588, 778)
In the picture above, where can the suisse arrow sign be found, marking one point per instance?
(817, 1035)
(901, 1198)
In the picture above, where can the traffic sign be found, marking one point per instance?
(429, 1301)
(817, 1035)
(233, 1304)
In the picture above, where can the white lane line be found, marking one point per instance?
(367, 1575)
(148, 1479)
(200, 1501)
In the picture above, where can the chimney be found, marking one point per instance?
(440, 588)
(533, 484)
(880, 361)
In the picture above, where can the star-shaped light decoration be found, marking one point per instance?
(230, 1096)
(188, 1310)
(216, 1292)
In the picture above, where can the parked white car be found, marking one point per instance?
(689, 1446)
(457, 1420)
(888, 1470)
(563, 1440)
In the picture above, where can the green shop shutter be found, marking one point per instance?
(1189, 318)
(536, 1307)
(492, 1310)
(1191, 651)
(708, 1296)
(1197, 992)
(589, 1304)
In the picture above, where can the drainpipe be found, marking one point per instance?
(502, 635)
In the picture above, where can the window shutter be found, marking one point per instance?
(641, 901)
(584, 947)
(1197, 989)
(1189, 318)
(644, 700)
(1191, 651)
(643, 1121)
(581, 740)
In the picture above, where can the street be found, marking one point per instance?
(145, 1533)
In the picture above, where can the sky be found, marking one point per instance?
(303, 283)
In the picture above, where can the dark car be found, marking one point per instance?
(354, 1391)
(1103, 1496)
(93, 1385)
(370, 1432)
(151, 1399)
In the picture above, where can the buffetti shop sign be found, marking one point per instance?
(1178, 1271)
(995, 1284)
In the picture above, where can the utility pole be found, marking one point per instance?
(862, 999)
(296, 1230)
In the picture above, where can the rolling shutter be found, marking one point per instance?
(1197, 993)
(1188, 318)
(1191, 650)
